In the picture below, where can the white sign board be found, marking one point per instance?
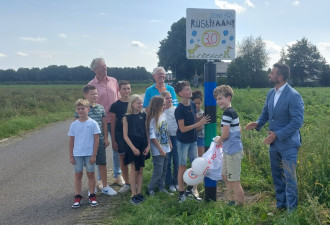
(210, 34)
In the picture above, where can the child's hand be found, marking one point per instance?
(217, 140)
(92, 159)
(114, 146)
(136, 151)
(251, 126)
(162, 153)
(146, 151)
(72, 161)
(106, 142)
(205, 120)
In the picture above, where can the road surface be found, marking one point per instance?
(36, 178)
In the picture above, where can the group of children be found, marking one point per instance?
(170, 134)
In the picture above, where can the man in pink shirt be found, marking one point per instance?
(108, 93)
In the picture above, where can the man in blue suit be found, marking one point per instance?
(284, 110)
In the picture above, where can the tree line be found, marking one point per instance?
(308, 67)
(64, 74)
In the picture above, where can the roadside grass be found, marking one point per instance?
(26, 107)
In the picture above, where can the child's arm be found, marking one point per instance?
(158, 146)
(224, 135)
(183, 128)
(105, 132)
(71, 142)
(95, 147)
(126, 138)
(113, 118)
(147, 149)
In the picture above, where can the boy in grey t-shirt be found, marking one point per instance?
(231, 145)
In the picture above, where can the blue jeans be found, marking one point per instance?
(185, 151)
(283, 166)
(115, 158)
(172, 177)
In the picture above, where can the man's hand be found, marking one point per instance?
(251, 126)
(72, 161)
(92, 159)
(114, 146)
(270, 138)
(106, 142)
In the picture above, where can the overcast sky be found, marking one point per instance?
(39, 33)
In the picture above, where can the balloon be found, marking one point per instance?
(191, 178)
(200, 166)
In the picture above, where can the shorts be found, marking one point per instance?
(200, 142)
(121, 143)
(101, 157)
(82, 161)
(140, 143)
(231, 165)
(186, 150)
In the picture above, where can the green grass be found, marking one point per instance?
(26, 107)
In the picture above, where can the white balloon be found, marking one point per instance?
(200, 166)
(192, 178)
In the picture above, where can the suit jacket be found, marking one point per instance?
(284, 119)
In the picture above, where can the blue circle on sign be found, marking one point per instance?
(194, 33)
(191, 41)
(231, 37)
(225, 32)
(223, 42)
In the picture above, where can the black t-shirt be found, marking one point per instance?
(119, 108)
(188, 114)
(136, 124)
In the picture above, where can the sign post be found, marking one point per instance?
(210, 35)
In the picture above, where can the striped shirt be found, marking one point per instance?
(233, 143)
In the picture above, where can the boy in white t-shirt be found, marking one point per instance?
(83, 145)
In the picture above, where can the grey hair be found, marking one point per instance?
(156, 70)
(95, 62)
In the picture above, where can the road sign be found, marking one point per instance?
(210, 34)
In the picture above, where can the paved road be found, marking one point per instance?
(36, 179)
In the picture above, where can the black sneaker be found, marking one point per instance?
(182, 198)
(135, 200)
(140, 197)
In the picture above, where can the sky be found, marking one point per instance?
(126, 33)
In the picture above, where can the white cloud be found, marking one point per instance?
(86, 35)
(225, 5)
(137, 44)
(249, 3)
(102, 14)
(61, 35)
(46, 56)
(266, 2)
(36, 39)
(289, 44)
(296, 3)
(324, 46)
(3, 55)
(21, 53)
(272, 47)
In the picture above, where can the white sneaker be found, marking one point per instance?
(177, 187)
(108, 191)
(172, 188)
(124, 189)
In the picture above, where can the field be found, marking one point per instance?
(28, 107)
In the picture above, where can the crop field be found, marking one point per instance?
(26, 107)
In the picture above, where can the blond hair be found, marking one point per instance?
(82, 102)
(224, 90)
(132, 100)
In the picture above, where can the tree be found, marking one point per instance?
(172, 53)
(325, 75)
(304, 60)
(246, 69)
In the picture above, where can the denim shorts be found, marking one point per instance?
(186, 150)
(200, 142)
(101, 157)
(82, 161)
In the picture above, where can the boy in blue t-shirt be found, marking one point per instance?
(231, 145)
(185, 115)
(83, 145)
